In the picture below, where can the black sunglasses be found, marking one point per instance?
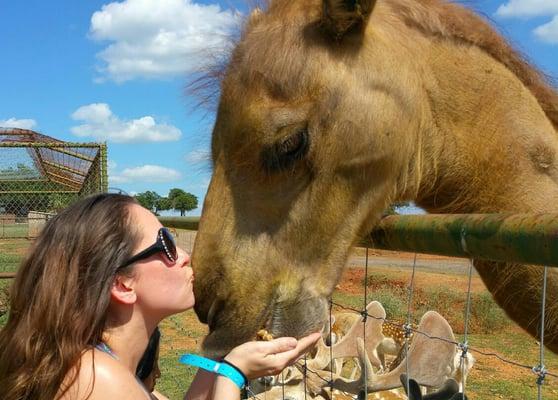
(164, 244)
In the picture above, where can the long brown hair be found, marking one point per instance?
(60, 296)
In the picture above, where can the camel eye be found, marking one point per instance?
(286, 152)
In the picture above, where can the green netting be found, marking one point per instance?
(40, 175)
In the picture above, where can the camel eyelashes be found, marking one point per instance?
(286, 152)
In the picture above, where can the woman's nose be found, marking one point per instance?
(182, 253)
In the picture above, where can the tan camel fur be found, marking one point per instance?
(330, 111)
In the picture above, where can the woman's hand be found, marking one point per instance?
(256, 359)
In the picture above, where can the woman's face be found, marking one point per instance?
(163, 287)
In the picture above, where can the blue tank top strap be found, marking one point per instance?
(102, 346)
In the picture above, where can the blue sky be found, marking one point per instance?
(116, 71)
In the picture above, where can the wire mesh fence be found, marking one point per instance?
(507, 362)
(40, 175)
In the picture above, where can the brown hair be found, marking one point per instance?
(60, 296)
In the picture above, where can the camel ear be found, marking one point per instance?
(254, 17)
(342, 17)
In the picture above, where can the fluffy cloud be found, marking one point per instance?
(547, 32)
(100, 123)
(18, 123)
(145, 173)
(159, 38)
(528, 8)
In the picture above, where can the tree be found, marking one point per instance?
(185, 202)
(163, 204)
(149, 200)
(181, 200)
(174, 193)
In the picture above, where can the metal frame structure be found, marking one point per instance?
(49, 173)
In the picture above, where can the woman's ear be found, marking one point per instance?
(122, 290)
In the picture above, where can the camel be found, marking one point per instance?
(329, 111)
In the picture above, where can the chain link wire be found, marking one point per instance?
(40, 176)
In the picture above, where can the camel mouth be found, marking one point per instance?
(295, 319)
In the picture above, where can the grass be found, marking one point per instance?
(14, 230)
(4, 298)
(12, 252)
(180, 334)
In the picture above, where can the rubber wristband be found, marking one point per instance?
(236, 368)
(222, 368)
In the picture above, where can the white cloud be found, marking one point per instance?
(547, 32)
(100, 123)
(528, 8)
(146, 173)
(18, 123)
(159, 38)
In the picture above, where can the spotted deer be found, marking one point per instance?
(393, 343)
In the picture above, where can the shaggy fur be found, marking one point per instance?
(410, 100)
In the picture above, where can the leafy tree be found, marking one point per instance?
(182, 201)
(174, 193)
(148, 199)
(177, 199)
(57, 202)
(185, 202)
(163, 204)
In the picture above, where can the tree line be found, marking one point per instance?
(177, 199)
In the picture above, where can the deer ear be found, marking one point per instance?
(414, 389)
(341, 17)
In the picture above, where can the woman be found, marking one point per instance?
(88, 297)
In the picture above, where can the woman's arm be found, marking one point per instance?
(202, 386)
(254, 359)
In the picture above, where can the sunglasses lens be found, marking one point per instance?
(169, 244)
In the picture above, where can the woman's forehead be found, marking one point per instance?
(144, 220)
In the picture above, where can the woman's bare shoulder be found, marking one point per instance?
(102, 377)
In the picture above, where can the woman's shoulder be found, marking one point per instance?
(102, 377)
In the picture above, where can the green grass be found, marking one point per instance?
(4, 298)
(180, 334)
(12, 252)
(175, 378)
(14, 230)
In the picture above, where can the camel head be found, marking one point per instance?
(312, 140)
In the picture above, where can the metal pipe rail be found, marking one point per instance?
(516, 238)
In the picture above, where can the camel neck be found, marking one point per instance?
(488, 141)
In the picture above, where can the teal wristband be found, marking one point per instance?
(221, 368)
